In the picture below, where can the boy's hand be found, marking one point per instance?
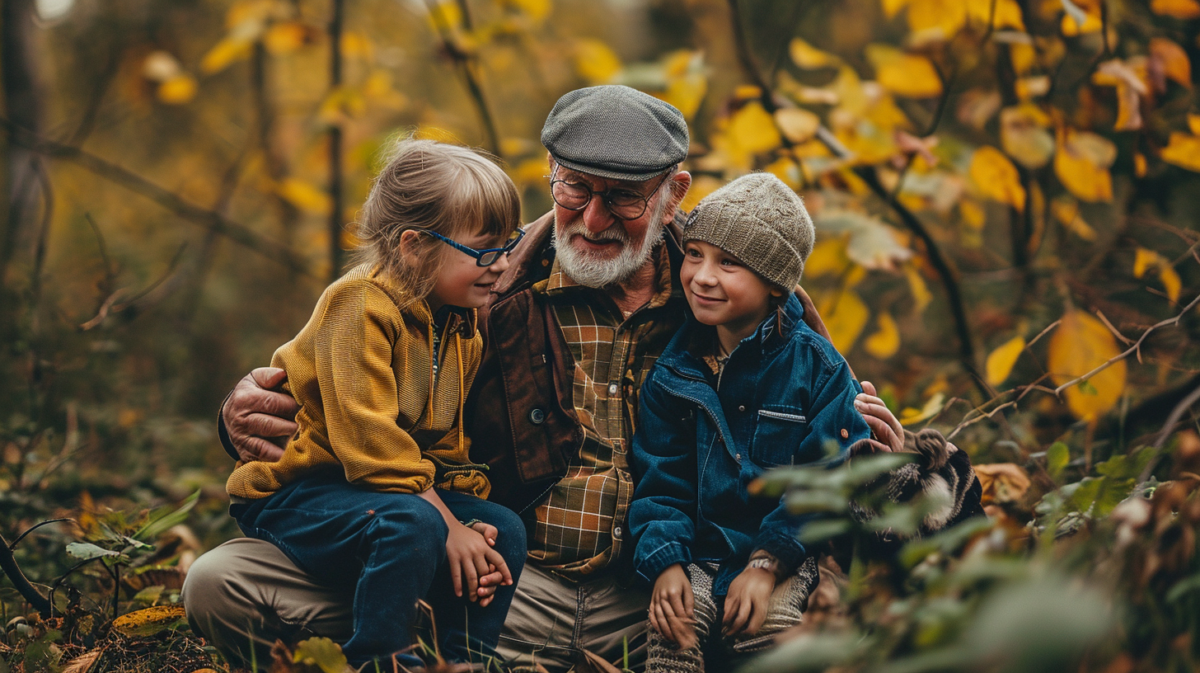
(671, 607)
(887, 433)
(747, 602)
(471, 557)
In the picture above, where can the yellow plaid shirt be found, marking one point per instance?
(579, 527)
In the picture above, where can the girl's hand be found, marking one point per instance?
(888, 434)
(747, 602)
(471, 557)
(492, 581)
(671, 607)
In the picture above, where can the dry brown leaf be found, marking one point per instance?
(1002, 482)
(1173, 59)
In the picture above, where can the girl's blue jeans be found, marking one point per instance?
(391, 547)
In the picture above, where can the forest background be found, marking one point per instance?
(1005, 197)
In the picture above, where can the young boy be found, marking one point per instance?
(744, 386)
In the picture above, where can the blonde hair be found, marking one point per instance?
(432, 186)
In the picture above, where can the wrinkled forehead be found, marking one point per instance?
(598, 183)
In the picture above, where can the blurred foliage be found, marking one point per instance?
(1004, 192)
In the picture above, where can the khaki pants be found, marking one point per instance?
(246, 593)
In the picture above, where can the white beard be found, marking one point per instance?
(590, 271)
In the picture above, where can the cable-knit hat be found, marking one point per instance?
(761, 221)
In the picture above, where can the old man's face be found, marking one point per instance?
(596, 247)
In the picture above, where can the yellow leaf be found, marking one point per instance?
(884, 343)
(828, 258)
(701, 187)
(940, 18)
(357, 45)
(1024, 137)
(787, 170)
(1139, 164)
(1080, 344)
(1000, 361)
(893, 7)
(595, 61)
(753, 129)
(149, 621)
(1194, 123)
(534, 9)
(178, 90)
(1066, 210)
(532, 172)
(1183, 150)
(686, 93)
(445, 16)
(996, 178)
(305, 196)
(1179, 9)
(1006, 13)
(1147, 259)
(798, 125)
(425, 132)
(1092, 24)
(225, 53)
(1174, 60)
(933, 407)
(1023, 57)
(342, 104)
(916, 285)
(908, 75)
(808, 57)
(1081, 164)
(286, 37)
(747, 92)
(846, 320)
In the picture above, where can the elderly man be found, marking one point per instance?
(590, 300)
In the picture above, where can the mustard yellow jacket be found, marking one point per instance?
(371, 404)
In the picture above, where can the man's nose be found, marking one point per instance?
(596, 216)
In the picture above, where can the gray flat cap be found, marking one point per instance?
(615, 132)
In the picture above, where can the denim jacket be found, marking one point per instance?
(784, 397)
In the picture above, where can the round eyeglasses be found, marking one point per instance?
(624, 204)
(486, 257)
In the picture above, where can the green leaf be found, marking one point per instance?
(1087, 388)
(163, 519)
(819, 531)
(322, 653)
(1057, 457)
(149, 595)
(1190, 584)
(87, 550)
(804, 502)
(1083, 497)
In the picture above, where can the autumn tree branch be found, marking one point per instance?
(465, 64)
(335, 144)
(173, 202)
(13, 571)
(946, 273)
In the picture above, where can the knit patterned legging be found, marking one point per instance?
(788, 601)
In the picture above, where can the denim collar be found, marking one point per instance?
(686, 351)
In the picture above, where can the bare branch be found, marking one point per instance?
(1131, 350)
(9, 565)
(173, 202)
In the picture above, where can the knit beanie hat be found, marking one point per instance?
(761, 221)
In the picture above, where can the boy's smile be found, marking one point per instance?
(724, 293)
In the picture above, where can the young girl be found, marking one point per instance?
(374, 486)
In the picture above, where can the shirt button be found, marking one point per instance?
(741, 407)
(612, 389)
(845, 433)
(617, 532)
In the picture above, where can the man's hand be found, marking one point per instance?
(671, 607)
(259, 420)
(471, 557)
(747, 602)
(888, 434)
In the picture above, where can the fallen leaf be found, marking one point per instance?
(1000, 361)
(753, 129)
(909, 75)
(1174, 60)
(149, 621)
(1001, 482)
(322, 653)
(846, 319)
(1080, 344)
(884, 343)
(798, 125)
(996, 178)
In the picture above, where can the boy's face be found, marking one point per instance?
(722, 291)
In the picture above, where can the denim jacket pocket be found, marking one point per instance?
(777, 435)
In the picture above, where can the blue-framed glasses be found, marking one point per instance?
(486, 257)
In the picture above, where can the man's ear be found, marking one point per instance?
(679, 187)
(550, 162)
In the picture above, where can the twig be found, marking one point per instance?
(335, 144)
(14, 543)
(465, 64)
(1043, 332)
(110, 305)
(110, 273)
(13, 571)
(1184, 404)
(1112, 329)
(1129, 351)
(973, 421)
(173, 202)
